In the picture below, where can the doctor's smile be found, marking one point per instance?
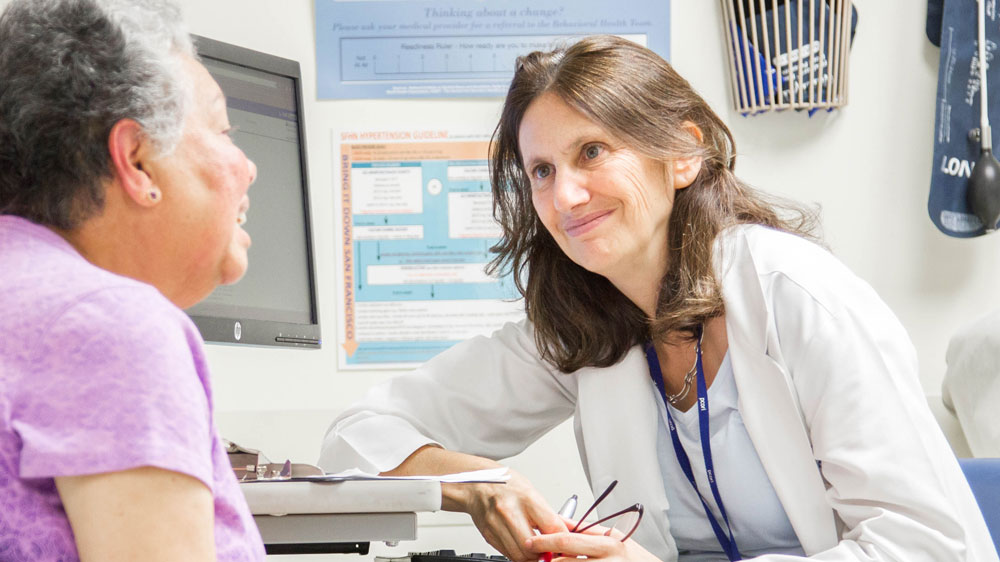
(583, 225)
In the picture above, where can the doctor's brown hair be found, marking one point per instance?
(580, 319)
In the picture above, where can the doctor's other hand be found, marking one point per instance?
(596, 543)
(507, 514)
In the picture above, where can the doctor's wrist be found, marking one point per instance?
(467, 497)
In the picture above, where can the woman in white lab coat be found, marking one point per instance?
(690, 328)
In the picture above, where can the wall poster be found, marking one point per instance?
(455, 48)
(416, 229)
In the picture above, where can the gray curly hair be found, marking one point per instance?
(70, 70)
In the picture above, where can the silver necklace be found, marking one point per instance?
(689, 377)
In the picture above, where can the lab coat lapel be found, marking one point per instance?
(618, 433)
(768, 402)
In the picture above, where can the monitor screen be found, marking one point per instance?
(275, 302)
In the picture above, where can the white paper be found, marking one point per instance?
(494, 475)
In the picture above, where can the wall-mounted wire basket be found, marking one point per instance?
(789, 53)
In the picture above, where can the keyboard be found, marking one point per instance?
(443, 556)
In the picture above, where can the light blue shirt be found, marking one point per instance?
(758, 520)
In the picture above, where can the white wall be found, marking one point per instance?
(868, 165)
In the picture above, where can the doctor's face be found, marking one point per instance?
(606, 205)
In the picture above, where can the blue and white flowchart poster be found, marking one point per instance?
(415, 236)
(460, 48)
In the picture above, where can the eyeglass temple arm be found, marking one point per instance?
(599, 499)
(638, 508)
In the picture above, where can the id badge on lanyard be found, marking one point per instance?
(725, 538)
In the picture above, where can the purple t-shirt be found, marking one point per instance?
(98, 373)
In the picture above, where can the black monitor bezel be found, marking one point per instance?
(242, 331)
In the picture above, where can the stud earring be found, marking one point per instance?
(154, 194)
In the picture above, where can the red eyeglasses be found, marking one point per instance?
(626, 521)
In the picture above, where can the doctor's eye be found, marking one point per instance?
(541, 172)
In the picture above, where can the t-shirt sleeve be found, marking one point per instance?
(115, 383)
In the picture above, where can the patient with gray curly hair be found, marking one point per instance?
(122, 199)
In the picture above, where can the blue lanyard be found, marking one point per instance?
(727, 541)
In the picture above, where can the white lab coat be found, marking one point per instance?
(828, 392)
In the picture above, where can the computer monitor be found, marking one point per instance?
(275, 303)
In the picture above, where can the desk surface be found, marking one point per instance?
(354, 496)
(307, 517)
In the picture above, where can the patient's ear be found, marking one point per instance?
(129, 148)
(685, 170)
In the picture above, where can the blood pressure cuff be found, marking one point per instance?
(957, 113)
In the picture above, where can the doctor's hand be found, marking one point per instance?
(596, 543)
(508, 514)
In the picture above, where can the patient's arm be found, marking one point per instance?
(144, 513)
